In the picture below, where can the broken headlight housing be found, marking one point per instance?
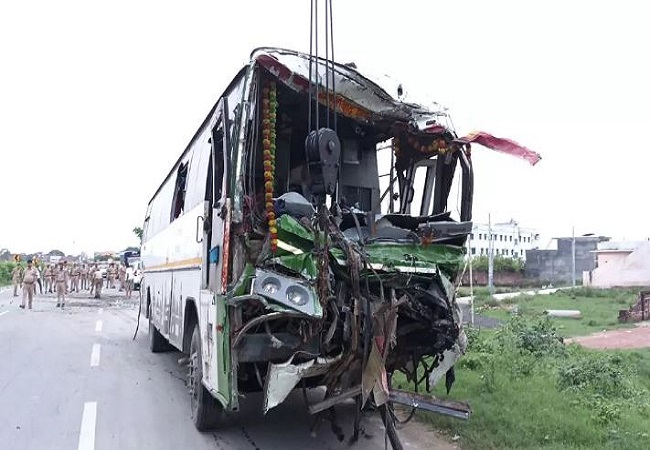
(288, 291)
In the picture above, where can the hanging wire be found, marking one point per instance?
(457, 176)
(332, 45)
(311, 58)
(316, 52)
(327, 63)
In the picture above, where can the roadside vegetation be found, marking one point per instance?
(599, 308)
(530, 391)
(5, 272)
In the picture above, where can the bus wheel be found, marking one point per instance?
(206, 410)
(157, 342)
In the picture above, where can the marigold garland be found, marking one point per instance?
(269, 111)
(436, 146)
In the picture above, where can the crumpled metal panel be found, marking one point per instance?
(290, 229)
(449, 359)
(304, 264)
(404, 256)
(292, 68)
(282, 378)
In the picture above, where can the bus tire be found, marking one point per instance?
(206, 410)
(157, 342)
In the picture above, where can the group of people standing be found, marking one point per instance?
(63, 278)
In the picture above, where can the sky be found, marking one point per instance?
(99, 98)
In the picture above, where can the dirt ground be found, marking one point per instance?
(637, 337)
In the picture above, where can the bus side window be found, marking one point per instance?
(178, 203)
(217, 148)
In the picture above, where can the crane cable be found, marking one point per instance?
(314, 115)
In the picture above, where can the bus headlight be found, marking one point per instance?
(297, 295)
(270, 285)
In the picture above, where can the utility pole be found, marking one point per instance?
(471, 280)
(490, 257)
(573, 256)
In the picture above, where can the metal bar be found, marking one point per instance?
(491, 257)
(459, 410)
(331, 401)
(573, 256)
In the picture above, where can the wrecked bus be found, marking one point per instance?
(277, 255)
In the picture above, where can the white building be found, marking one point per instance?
(508, 239)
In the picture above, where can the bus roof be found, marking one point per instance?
(292, 69)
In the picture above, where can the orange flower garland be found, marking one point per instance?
(269, 111)
(436, 146)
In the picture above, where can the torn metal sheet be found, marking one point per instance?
(449, 358)
(282, 378)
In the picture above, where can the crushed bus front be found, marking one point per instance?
(344, 290)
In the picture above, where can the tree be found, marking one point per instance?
(138, 232)
(6, 255)
(56, 253)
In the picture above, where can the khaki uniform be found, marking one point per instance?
(61, 278)
(84, 277)
(122, 276)
(110, 276)
(128, 282)
(98, 281)
(91, 278)
(16, 278)
(49, 278)
(29, 283)
(76, 273)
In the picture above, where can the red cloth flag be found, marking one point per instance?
(501, 145)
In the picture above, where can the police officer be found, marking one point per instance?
(38, 279)
(61, 278)
(49, 277)
(84, 277)
(98, 281)
(112, 272)
(29, 280)
(122, 276)
(16, 278)
(76, 273)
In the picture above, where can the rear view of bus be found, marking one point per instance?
(304, 238)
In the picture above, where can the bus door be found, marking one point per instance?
(212, 315)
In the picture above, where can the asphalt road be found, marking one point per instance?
(76, 379)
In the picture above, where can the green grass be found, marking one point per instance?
(528, 391)
(5, 273)
(599, 308)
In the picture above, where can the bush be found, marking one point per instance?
(606, 376)
(501, 264)
(5, 272)
(605, 384)
(529, 391)
(537, 337)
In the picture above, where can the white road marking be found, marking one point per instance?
(98, 326)
(3, 313)
(87, 432)
(94, 356)
(100, 310)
